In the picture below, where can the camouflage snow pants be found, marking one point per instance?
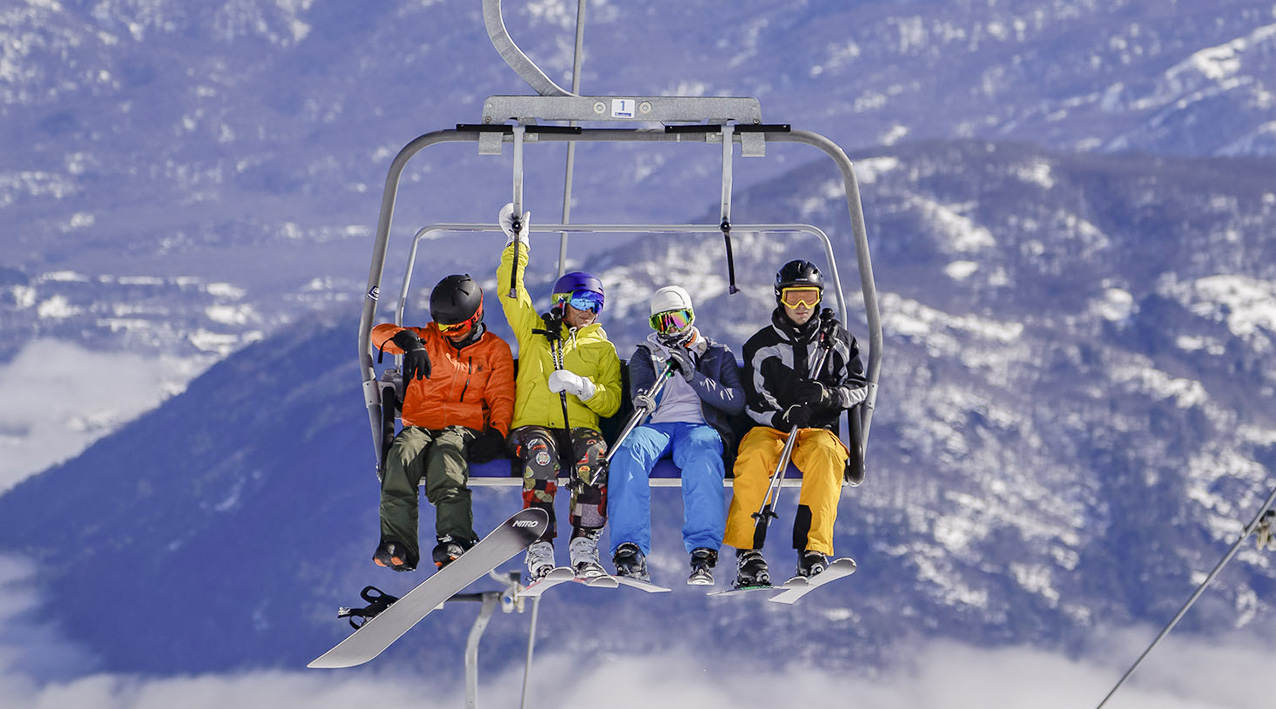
(541, 451)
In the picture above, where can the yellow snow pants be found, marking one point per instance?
(820, 456)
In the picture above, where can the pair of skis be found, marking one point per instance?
(798, 586)
(564, 574)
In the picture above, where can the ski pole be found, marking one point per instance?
(554, 333)
(640, 413)
(764, 516)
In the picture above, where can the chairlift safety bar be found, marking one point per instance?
(428, 232)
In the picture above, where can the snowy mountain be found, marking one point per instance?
(1074, 424)
(178, 146)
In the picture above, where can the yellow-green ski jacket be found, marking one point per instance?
(586, 352)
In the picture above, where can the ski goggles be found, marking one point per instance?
(804, 296)
(672, 321)
(460, 328)
(581, 300)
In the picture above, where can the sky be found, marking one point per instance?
(40, 669)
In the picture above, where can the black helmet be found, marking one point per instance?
(798, 273)
(457, 299)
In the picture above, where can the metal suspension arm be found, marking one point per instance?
(514, 56)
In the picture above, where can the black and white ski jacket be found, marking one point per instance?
(779, 355)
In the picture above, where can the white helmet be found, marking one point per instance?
(670, 298)
(672, 315)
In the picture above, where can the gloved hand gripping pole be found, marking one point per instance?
(762, 518)
(554, 333)
(641, 412)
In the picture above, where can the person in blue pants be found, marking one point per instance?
(690, 419)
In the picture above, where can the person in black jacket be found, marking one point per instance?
(690, 418)
(783, 397)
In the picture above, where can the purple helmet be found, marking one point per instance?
(577, 284)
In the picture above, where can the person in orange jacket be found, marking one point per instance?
(457, 406)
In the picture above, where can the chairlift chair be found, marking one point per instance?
(519, 121)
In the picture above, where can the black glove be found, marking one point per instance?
(798, 415)
(489, 445)
(680, 358)
(823, 398)
(416, 362)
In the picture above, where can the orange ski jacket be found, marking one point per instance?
(472, 386)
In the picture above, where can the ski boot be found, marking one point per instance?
(751, 569)
(630, 562)
(702, 563)
(584, 555)
(539, 560)
(394, 555)
(449, 549)
(811, 563)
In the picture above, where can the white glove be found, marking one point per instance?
(645, 403)
(572, 383)
(506, 219)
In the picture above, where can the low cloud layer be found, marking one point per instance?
(58, 397)
(40, 670)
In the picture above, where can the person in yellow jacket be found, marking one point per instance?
(781, 394)
(457, 405)
(568, 377)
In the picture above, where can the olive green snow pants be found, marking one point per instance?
(439, 457)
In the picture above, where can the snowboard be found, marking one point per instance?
(799, 586)
(378, 633)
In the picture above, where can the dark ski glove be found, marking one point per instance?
(823, 398)
(489, 446)
(680, 358)
(416, 362)
(797, 415)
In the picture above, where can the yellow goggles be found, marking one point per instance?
(800, 296)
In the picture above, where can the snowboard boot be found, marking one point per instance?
(751, 569)
(449, 549)
(702, 562)
(811, 563)
(539, 560)
(394, 555)
(630, 562)
(584, 555)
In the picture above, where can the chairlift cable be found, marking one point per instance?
(1249, 529)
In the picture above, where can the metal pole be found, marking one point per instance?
(1249, 529)
(571, 144)
(471, 648)
(531, 648)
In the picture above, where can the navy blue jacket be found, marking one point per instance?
(716, 381)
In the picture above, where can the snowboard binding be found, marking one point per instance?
(378, 601)
(1266, 531)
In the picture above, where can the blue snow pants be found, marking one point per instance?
(697, 451)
